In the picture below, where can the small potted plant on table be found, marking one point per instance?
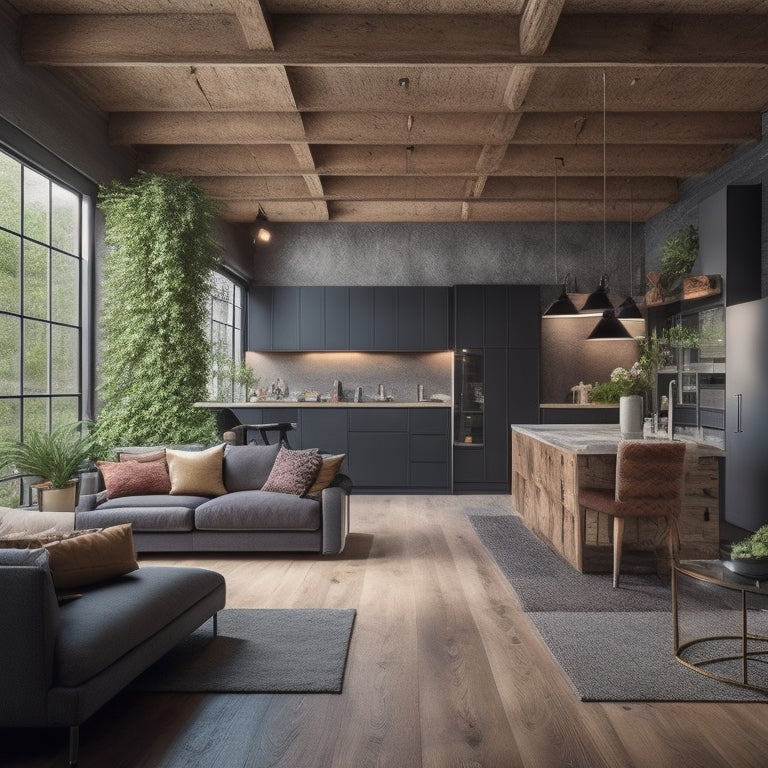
(749, 557)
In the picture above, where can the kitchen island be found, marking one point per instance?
(551, 462)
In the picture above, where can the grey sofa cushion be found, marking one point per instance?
(34, 558)
(114, 617)
(141, 518)
(247, 467)
(257, 511)
(154, 500)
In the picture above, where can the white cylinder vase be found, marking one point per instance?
(631, 417)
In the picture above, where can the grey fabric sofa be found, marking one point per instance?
(63, 662)
(245, 519)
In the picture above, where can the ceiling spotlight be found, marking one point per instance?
(262, 234)
(404, 83)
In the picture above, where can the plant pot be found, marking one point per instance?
(57, 499)
(752, 568)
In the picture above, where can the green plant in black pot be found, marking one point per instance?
(754, 546)
(678, 255)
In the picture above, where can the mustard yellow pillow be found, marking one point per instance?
(92, 557)
(328, 470)
(197, 473)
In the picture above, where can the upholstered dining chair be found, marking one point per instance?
(649, 483)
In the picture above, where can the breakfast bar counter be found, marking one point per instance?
(551, 462)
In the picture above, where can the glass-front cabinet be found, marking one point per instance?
(469, 401)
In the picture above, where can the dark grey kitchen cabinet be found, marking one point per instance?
(746, 416)
(378, 448)
(437, 319)
(286, 302)
(410, 306)
(327, 430)
(429, 449)
(260, 318)
(336, 317)
(361, 318)
(385, 318)
(312, 310)
(499, 325)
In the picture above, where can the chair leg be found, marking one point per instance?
(74, 744)
(618, 537)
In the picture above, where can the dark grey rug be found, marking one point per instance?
(614, 644)
(258, 651)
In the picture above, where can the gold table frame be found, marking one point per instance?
(714, 572)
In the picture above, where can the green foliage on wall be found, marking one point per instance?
(158, 274)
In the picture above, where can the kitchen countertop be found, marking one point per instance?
(595, 438)
(578, 405)
(342, 404)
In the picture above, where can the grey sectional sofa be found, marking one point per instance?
(63, 662)
(245, 519)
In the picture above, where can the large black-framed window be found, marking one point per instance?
(45, 226)
(226, 322)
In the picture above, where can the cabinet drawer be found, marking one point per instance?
(429, 448)
(429, 475)
(378, 420)
(429, 421)
(378, 460)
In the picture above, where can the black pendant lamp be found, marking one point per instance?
(562, 306)
(609, 328)
(628, 309)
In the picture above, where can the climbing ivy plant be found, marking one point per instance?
(156, 354)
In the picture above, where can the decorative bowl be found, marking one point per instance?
(752, 568)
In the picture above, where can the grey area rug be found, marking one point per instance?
(614, 644)
(258, 651)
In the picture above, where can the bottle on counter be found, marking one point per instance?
(420, 393)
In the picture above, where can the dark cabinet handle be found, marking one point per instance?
(738, 412)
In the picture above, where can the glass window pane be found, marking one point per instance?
(64, 410)
(10, 193)
(36, 205)
(65, 288)
(35, 280)
(35, 414)
(10, 266)
(10, 355)
(10, 413)
(220, 310)
(65, 220)
(65, 358)
(35, 355)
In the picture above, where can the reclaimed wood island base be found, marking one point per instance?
(551, 462)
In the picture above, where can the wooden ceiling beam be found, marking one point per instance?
(254, 23)
(537, 25)
(398, 40)
(434, 128)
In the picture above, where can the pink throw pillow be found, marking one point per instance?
(293, 471)
(134, 478)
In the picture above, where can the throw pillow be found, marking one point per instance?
(247, 467)
(26, 540)
(328, 470)
(134, 478)
(137, 456)
(197, 473)
(92, 557)
(293, 471)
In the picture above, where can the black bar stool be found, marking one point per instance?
(283, 427)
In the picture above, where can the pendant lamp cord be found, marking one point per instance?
(631, 269)
(605, 171)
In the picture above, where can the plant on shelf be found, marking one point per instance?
(158, 274)
(678, 255)
(682, 337)
(621, 383)
(754, 546)
(54, 458)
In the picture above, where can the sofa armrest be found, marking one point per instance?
(87, 502)
(29, 623)
(335, 510)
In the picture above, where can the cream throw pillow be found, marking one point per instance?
(197, 473)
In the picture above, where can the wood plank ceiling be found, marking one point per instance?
(418, 110)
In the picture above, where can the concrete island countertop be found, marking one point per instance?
(342, 404)
(595, 438)
(579, 405)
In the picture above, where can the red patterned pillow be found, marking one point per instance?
(134, 478)
(293, 471)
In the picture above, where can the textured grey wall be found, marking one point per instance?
(450, 254)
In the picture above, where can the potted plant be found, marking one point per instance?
(55, 458)
(749, 557)
(678, 255)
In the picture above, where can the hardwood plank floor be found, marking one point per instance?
(444, 671)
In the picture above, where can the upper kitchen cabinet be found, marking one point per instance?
(729, 240)
(359, 318)
(497, 316)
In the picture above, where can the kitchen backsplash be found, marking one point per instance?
(399, 373)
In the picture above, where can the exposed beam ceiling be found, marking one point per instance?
(418, 110)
